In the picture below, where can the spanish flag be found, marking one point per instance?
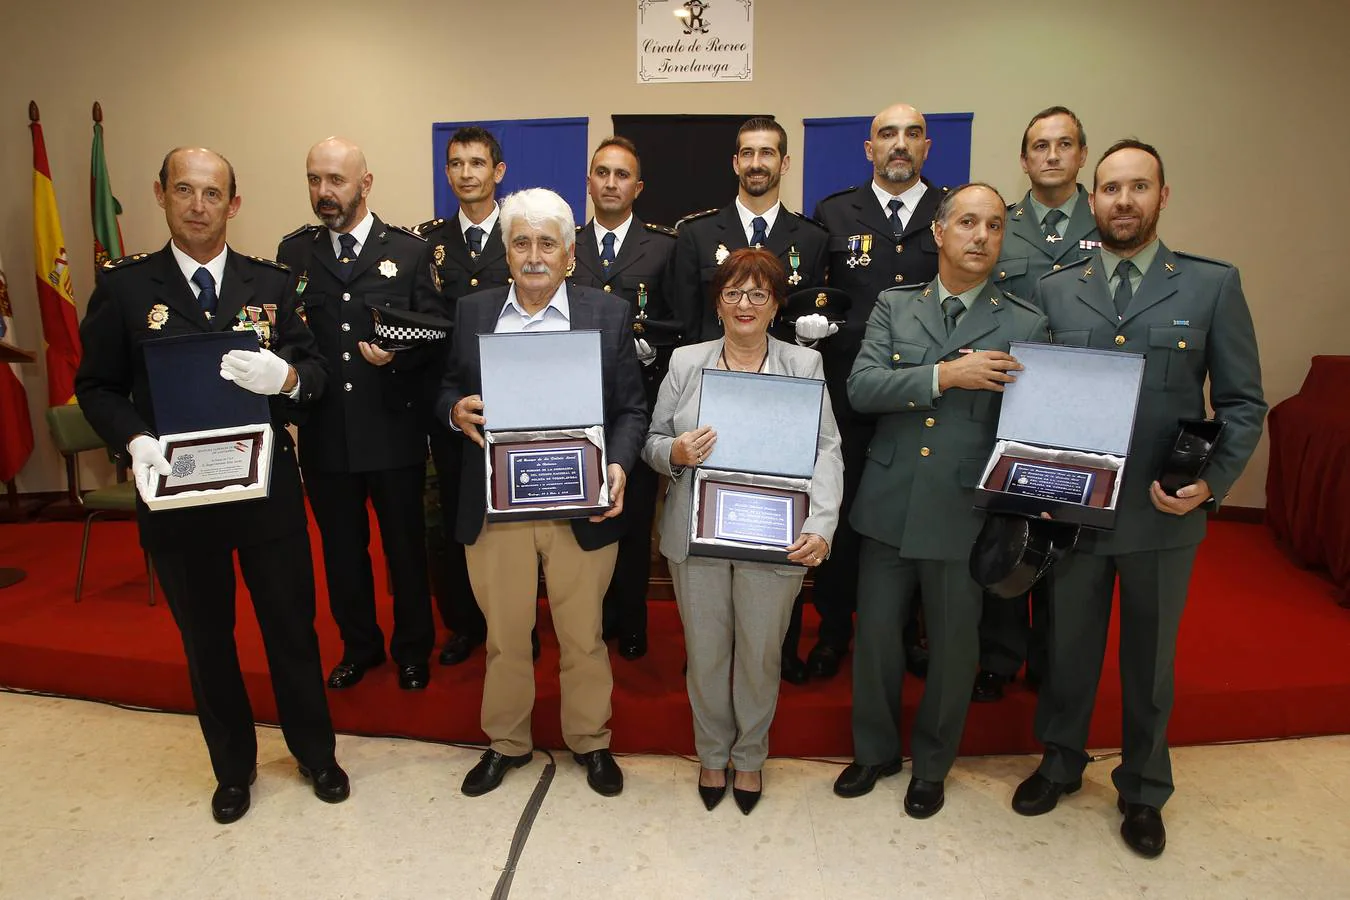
(56, 295)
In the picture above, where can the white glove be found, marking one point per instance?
(146, 462)
(259, 371)
(814, 327)
(646, 354)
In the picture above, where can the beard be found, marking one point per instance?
(1129, 237)
(759, 190)
(334, 215)
(897, 170)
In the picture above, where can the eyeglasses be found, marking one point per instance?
(756, 296)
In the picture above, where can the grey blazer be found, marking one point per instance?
(677, 412)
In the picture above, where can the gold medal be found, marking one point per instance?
(159, 314)
(794, 260)
(865, 259)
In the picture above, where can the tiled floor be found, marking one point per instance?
(99, 803)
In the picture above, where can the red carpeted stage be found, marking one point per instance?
(1265, 652)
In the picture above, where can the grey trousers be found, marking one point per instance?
(952, 602)
(735, 615)
(1153, 588)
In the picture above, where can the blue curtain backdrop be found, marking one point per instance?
(834, 160)
(547, 153)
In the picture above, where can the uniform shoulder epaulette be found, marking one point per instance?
(692, 216)
(123, 261)
(1025, 304)
(303, 229)
(659, 229)
(805, 218)
(1207, 259)
(847, 190)
(428, 225)
(408, 231)
(271, 262)
(907, 288)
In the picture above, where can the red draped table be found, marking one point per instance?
(1308, 483)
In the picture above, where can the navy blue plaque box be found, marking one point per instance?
(752, 493)
(545, 436)
(216, 435)
(1063, 434)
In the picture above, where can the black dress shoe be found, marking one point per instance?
(1142, 828)
(490, 771)
(824, 659)
(746, 800)
(632, 646)
(857, 779)
(331, 784)
(712, 795)
(793, 670)
(346, 673)
(534, 643)
(988, 687)
(415, 677)
(602, 772)
(458, 648)
(923, 798)
(231, 801)
(1038, 795)
(916, 661)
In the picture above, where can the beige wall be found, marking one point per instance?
(1242, 98)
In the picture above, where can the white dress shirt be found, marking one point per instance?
(189, 267)
(487, 224)
(619, 234)
(556, 316)
(770, 216)
(361, 232)
(909, 198)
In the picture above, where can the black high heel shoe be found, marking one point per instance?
(710, 795)
(746, 800)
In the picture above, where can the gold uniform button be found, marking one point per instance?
(1002, 274)
(473, 282)
(1055, 267)
(899, 248)
(895, 357)
(929, 422)
(608, 289)
(911, 404)
(924, 451)
(1120, 340)
(1181, 345)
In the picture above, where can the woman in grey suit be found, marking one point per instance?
(735, 613)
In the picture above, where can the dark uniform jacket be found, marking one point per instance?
(626, 414)
(912, 259)
(1027, 255)
(457, 273)
(1190, 319)
(918, 486)
(372, 417)
(705, 238)
(639, 274)
(144, 297)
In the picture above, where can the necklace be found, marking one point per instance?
(762, 360)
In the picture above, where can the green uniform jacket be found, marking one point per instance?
(1027, 255)
(1190, 320)
(918, 486)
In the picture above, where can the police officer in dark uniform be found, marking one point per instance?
(1051, 227)
(754, 218)
(468, 255)
(880, 237)
(367, 438)
(197, 285)
(619, 253)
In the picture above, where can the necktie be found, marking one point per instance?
(475, 236)
(759, 238)
(1124, 291)
(347, 255)
(207, 298)
(897, 227)
(952, 308)
(607, 250)
(1050, 225)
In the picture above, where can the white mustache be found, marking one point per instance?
(534, 269)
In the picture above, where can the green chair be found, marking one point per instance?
(72, 434)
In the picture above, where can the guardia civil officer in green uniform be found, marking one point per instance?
(1188, 316)
(932, 368)
(367, 438)
(620, 254)
(1049, 228)
(880, 237)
